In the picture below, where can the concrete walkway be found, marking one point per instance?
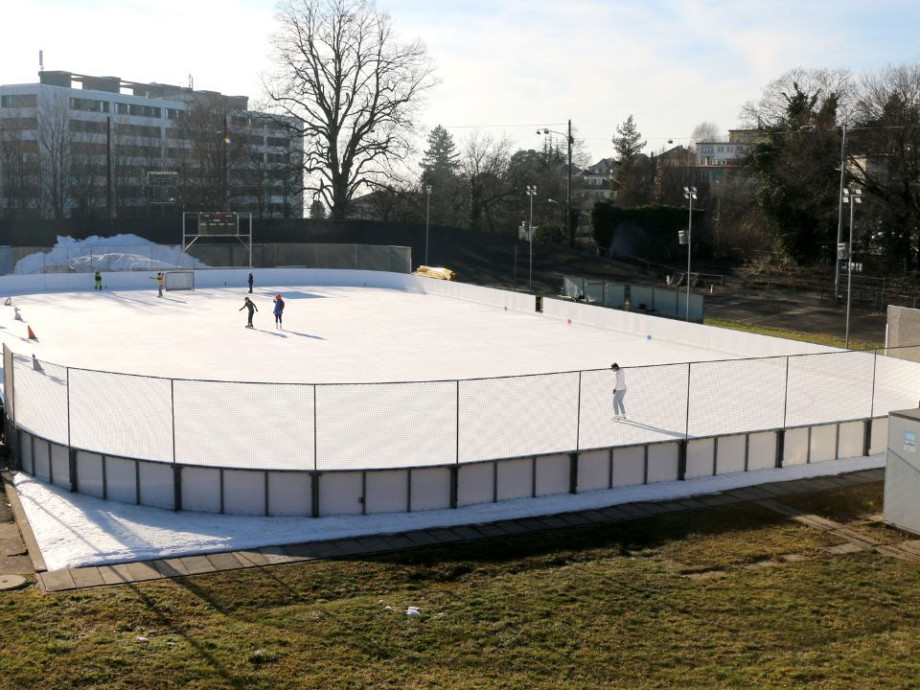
(16, 539)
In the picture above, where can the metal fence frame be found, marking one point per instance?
(471, 430)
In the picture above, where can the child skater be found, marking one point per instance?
(279, 310)
(251, 306)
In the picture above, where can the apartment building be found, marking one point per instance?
(717, 161)
(75, 145)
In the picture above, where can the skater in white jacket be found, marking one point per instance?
(619, 391)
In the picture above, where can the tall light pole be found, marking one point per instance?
(568, 180)
(427, 217)
(689, 195)
(531, 192)
(851, 197)
(843, 174)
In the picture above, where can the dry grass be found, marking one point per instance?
(623, 605)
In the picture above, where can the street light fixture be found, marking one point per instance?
(427, 217)
(531, 192)
(690, 195)
(568, 180)
(851, 197)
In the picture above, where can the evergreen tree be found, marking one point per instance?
(628, 143)
(627, 146)
(441, 157)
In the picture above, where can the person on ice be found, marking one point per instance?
(619, 391)
(98, 281)
(159, 280)
(250, 283)
(251, 306)
(279, 310)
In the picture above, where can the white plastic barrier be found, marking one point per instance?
(751, 344)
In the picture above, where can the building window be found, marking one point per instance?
(89, 105)
(138, 110)
(172, 114)
(19, 100)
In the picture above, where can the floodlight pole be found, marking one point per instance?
(531, 191)
(852, 198)
(690, 195)
(840, 202)
(427, 217)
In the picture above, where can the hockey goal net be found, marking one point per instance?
(179, 280)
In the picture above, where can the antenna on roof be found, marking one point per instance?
(41, 61)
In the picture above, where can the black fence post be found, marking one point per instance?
(780, 447)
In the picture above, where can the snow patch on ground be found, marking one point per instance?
(75, 530)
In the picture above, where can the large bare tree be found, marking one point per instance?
(352, 86)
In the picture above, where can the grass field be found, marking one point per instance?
(731, 597)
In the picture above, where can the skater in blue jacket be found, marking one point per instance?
(279, 310)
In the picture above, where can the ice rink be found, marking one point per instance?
(355, 335)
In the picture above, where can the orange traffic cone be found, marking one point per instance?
(31, 333)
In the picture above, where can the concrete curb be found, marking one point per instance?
(22, 521)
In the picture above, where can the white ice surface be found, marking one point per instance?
(75, 530)
(331, 335)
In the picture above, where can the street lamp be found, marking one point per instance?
(843, 175)
(851, 197)
(531, 191)
(427, 217)
(690, 195)
(568, 180)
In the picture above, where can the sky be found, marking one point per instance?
(506, 67)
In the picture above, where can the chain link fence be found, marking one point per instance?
(435, 423)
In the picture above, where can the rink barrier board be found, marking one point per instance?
(302, 493)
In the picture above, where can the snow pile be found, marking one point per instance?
(118, 253)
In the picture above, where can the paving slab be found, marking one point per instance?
(251, 558)
(116, 574)
(87, 577)
(224, 561)
(169, 567)
(142, 570)
(56, 580)
(196, 565)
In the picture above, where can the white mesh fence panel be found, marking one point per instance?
(514, 417)
(41, 398)
(594, 291)
(573, 287)
(373, 257)
(729, 396)
(336, 255)
(400, 260)
(244, 425)
(903, 329)
(897, 383)
(118, 414)
(655, 402)
(386, 425)
(829, 387)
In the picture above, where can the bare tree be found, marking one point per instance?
(484, 167)
(705, 131)
(353, 88)
(19, 172)
(55, 140)
(772, 110)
